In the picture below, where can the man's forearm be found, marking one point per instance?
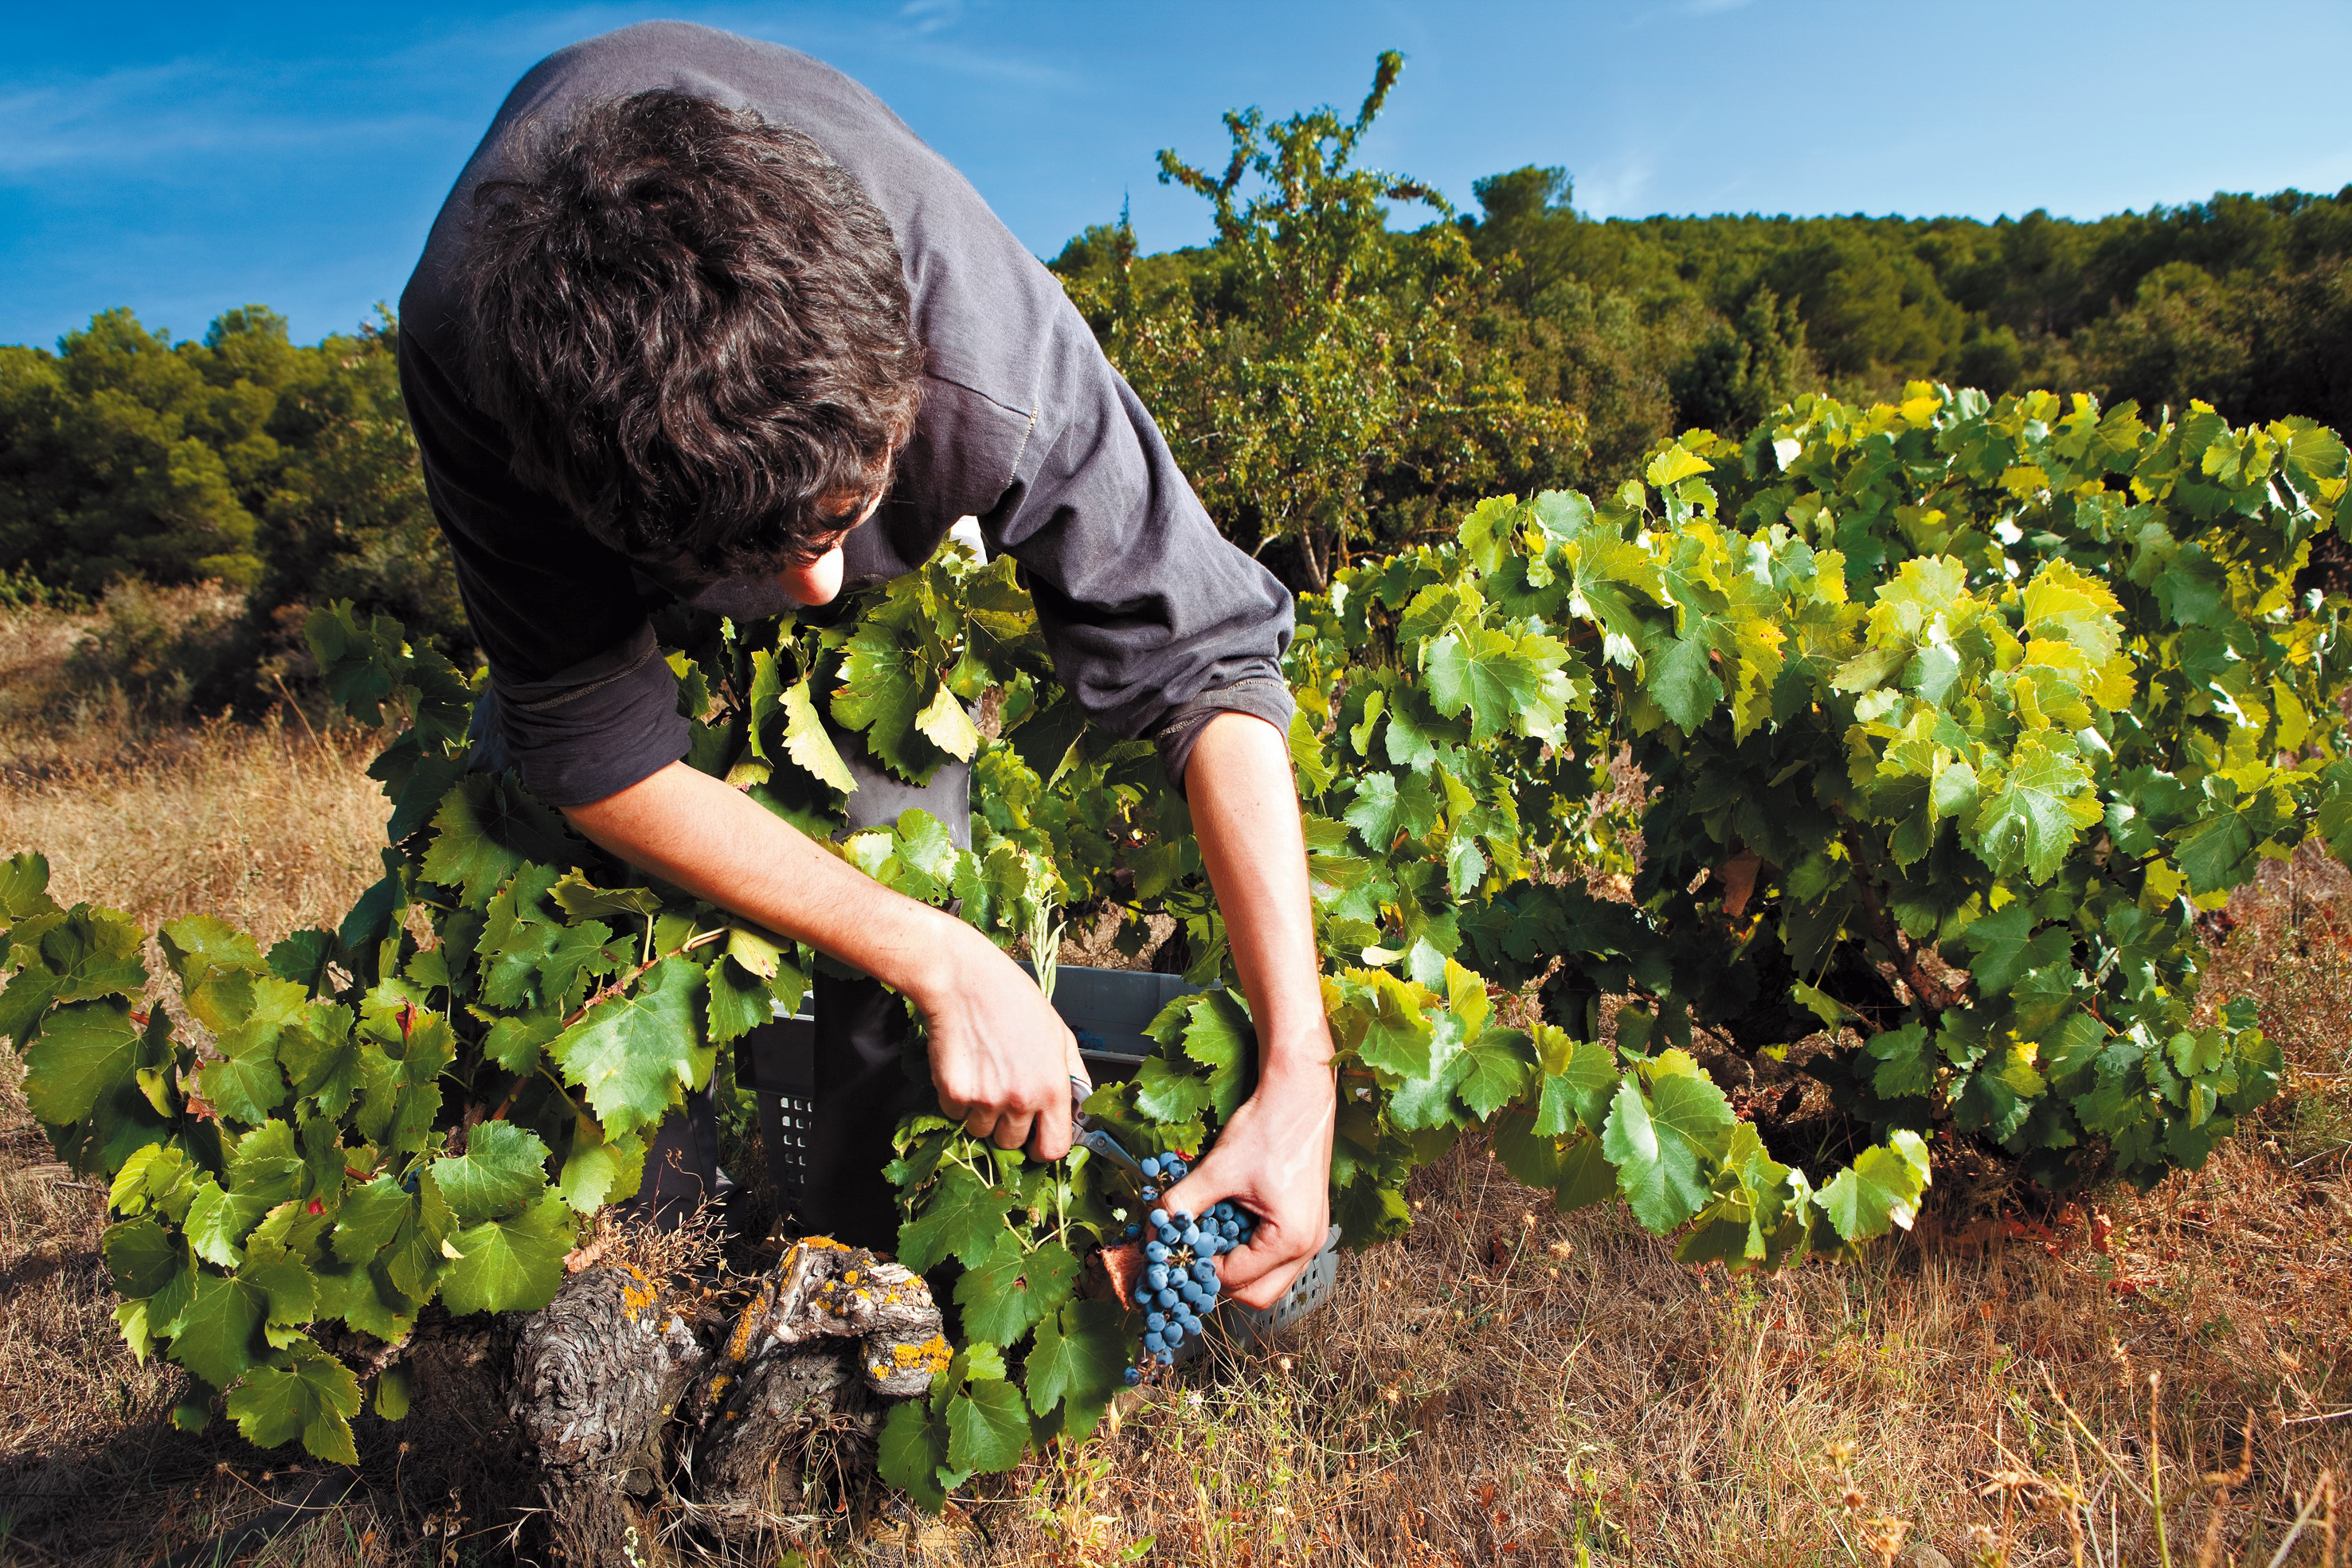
(1274, 1154)
(1245, 816)
(691, 829)
(1001, 1059)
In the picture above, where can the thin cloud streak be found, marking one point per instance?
(113, 123)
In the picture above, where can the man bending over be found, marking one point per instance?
(704, 321)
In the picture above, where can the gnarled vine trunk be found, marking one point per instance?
(644, 1412)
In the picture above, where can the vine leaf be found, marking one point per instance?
(599, 1169)
(988, 1427)
(510, 1265)
(1684, 682)
(1218, 1035)
(1166, 1091)
(484, 831)
(1075, 1363)
(139, 1256)
(961, 1220)
(808, 744)
(738, 1001)
(314, 1398)
(1906, 1064)
(2003, 946)
(914, 1446)
(1393, 1033)
(1013, 1288)
(213, 1336)
(85, 1051)
(1661, 1142)
(215, 964)
(945, 726)
(1880, 1190)
(1496, 1067)
(503, 1168)
(634, 1055)
(217, 1222)
(757, 952)
(514, 1043)
(368, 1218)
(247, 1084)
(2031, 818)
(1506, 683)
(581, 899)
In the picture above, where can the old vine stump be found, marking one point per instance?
(645, 1411)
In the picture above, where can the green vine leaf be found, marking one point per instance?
(912, 1451)
(961, 1220)
(987, 1427)
(504, 1168)
(313, 1397)
(1076, 1363)
(513, 1264)
(1664, 1143)
(1014, 1286)
(1880, 1190)
(635, 1055)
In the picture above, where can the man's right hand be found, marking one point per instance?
(1002, 1057)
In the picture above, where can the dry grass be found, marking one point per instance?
(270, 826)
(1506, 1385)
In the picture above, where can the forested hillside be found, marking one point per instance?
(129, 458)
(1352, 356)
(1347, 364)
(2243, 301)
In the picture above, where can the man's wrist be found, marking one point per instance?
(1300, 1069)
(928, 969)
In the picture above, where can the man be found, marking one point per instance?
(703, 320)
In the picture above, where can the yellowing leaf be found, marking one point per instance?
(948, 726)
(807, 743)
(1674, 463)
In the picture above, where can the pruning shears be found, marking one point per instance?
(1089, 1135)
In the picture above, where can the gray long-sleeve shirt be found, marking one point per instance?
(1154, 621)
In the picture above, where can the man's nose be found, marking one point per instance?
(816, 582)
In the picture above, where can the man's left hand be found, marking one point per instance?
(1274, 1158)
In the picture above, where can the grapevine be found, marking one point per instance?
(1949, 715)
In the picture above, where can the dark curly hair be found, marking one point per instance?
(694, 326)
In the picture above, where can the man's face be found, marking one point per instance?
(816, 582)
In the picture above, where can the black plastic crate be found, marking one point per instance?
(777, 1061)
(1108, 1009)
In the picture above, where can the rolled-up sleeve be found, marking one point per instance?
(1155, 620)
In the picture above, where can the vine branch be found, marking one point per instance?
(1932, 992)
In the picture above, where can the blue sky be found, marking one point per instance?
(185, 158)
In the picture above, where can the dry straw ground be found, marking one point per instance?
(1507, 1386)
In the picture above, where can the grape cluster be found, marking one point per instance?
(1180, 1285)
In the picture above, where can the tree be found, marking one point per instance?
(1743, 369)
(345, 515)
(286, 471)
(1317, 374)
(123, 457)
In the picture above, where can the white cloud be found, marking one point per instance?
(932, 15)
(1613, 189)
